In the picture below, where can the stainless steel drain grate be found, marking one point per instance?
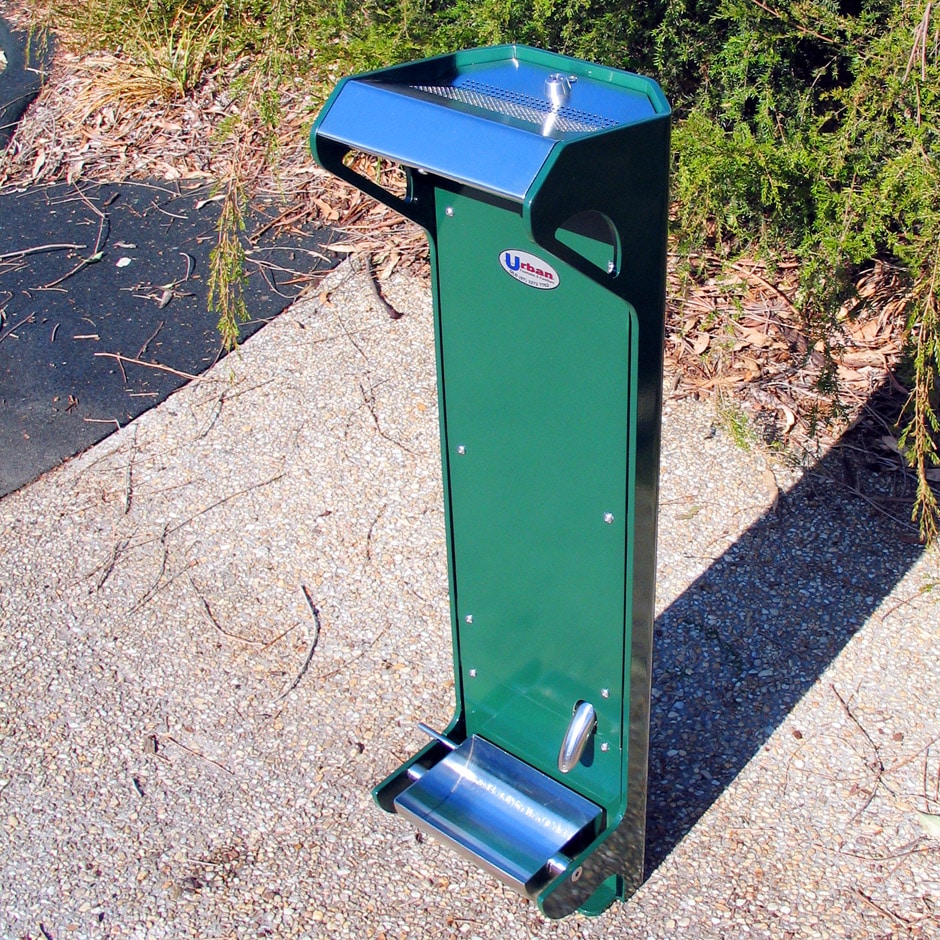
(518, 105)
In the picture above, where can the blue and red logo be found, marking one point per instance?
(528, 269)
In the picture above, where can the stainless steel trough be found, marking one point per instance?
(516, 822)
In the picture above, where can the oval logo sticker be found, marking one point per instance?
(527, 268)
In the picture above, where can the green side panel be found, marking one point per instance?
(536, 407)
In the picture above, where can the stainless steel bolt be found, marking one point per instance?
(449, 212)
(605, 693)
(473, 673)
(468, 618)
(461, 449)
(605, 747)
(608, 517)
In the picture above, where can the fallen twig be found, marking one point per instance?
(877, 765)
(377, 290)
(903, 523)
(278, 638)
(314, 639)
(116, 551)
(763, 282)
(94, 257)
(163, 293)
(172, 530)
(353, 659)
(156, 587)
(216, 411)
(207, 610)
(150, 339)
(371, 532)
(897, 919)
(149, 365)
(225, 499)
(114, 421)
(38, 248)
(368, 399)
(128, 476)
(303, 251)
(196, 753)
(297, 277)
(153, 587)
(21, 663)
(19, 323)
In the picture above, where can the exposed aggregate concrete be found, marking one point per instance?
(169, 769)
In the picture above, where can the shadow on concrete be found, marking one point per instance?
(104, 307)
(736, 652)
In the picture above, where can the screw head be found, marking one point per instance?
(468, 618)
(461, 449)
(449, 212)
(473, 673)
(605, 693)
(608, 517)
(605, 747)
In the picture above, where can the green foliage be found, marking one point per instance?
(599, 30)
(814, 130)
(227, 266)
(735, 422)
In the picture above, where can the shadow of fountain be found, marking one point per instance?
(738, 649)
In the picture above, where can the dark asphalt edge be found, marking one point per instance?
(29, 59)
(50, 446)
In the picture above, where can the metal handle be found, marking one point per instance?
(428, 730)
(579, 732)
(330, 154)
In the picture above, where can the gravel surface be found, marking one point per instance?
(189, 745)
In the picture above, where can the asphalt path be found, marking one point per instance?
(104, 308)
(23, 65)
(104, 292)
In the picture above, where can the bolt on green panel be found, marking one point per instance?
(541, 182)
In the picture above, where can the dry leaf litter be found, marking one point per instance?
(734, 333)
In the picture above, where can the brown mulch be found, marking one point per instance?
(734, 331)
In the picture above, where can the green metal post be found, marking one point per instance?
(549, 311)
